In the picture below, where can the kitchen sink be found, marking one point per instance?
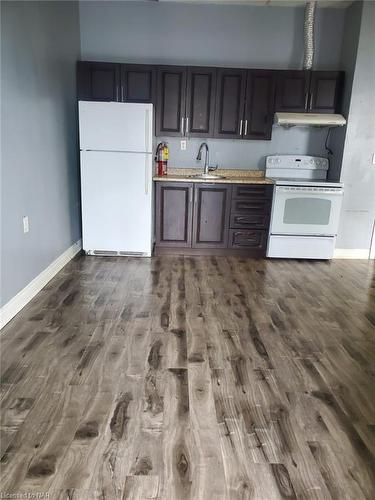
(207, 176)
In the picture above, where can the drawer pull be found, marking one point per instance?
(248, 238)
(250, 205)
(257, 193)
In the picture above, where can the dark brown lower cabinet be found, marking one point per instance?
(212, 218)
(174, 214)
(211, 215)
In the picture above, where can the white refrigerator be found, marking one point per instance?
(116, 177)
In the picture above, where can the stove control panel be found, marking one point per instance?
(297, 162)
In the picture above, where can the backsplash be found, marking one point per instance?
(234, 153)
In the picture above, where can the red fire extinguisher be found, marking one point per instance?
(161, 158)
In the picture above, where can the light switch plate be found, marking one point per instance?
(183, 145)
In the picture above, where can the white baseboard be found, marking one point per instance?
(18, 302)
(351, 253)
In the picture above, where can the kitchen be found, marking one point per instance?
(187, 249)
(204, 102)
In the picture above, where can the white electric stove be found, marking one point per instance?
(305, 210)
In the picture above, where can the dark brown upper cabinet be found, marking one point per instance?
(138, 83)
(245, 104)
(98, 81)
(325, 91)
(309, 91)
(292, 91)
(186, 101)
(211, 215)
(200, 102)
(173, 214)
(259, 108)
(212, 102)
(230, 103)
(170, 107)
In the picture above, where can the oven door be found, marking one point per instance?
(306, 210)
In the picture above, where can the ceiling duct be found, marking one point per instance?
(308, 35)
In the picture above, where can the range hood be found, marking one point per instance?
(309, 119)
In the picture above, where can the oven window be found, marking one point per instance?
(307, 211)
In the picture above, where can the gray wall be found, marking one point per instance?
(219, 35)
(39, 44)
(358, 172)
(249, 155)
(348, 60)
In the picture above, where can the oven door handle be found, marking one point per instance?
(310, 191)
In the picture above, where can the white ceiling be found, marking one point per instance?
(271, 3)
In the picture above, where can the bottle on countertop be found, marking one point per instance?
(161, 158)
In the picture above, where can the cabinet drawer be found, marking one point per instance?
(251, 206)
(247, 239)
(255, 221)
(244, 191)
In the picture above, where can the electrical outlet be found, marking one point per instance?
(25, 222)
(183, 145)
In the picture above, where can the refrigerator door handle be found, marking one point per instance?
(146, 175)
(147, 127)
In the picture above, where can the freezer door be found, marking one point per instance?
(116, 202)
(115, 126)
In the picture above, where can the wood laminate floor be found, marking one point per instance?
(192, 378)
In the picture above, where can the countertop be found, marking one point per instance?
(231, 176)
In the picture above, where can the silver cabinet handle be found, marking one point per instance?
(310, 101)
(191, 195)
(241, 127)
(306, 99)
(122, 93)
(117, 93)
(182, 125)
(187, 125)
(245, 128)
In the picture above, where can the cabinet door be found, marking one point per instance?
(170, 109)
(173, 214)
(98, 81)
(292, 90)
(325, 91)
(259, 108)
(211, 215)
(138, 83)
(230, 102)
(200, 102)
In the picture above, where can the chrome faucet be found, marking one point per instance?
(206, 160)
